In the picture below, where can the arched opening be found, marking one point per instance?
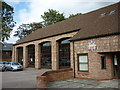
(46, 55)
(31, 55)
(20, 55)
(64, 53)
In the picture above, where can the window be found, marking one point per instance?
(47, 44)
(46, 55)
(103, 62)
(83, 62)
(102, 14)
(64, 53)
(65, 41)
(112, 12)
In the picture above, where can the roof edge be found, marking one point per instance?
(48, 36)
(109, 34)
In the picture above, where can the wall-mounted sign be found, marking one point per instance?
(91, 45)
(108, 60)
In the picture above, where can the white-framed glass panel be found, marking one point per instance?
(83, 62)
(83, 58)
(83, 67)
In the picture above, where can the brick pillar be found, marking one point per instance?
(37, 56)
(13, 54)
(55, 63)
(72, 59)
(71, 55)
(25, 56)
(16, 55)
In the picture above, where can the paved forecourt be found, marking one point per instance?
(21, 79)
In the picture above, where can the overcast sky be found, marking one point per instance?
(27, 11)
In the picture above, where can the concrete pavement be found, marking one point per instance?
(80, 83)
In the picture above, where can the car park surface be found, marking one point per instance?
(21, 79)
(27, 79)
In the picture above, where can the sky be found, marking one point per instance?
(28, 11)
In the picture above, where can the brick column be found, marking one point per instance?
(16, 55)
(71, 55)
(55, 63)
(13, 54)
(25, 56)
(37, 56)
(72, 59)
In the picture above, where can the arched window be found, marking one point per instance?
(20, 55)
(46, 55)
(31, 55)
(64, 53)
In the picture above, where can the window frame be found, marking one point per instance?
(112, 12)
(84, 63)
(103, 14)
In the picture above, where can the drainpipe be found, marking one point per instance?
(73, 60)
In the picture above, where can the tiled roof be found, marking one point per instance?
(101, 25)
(99, 22)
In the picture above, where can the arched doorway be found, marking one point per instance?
(31, 55)
(20, 55)
(46, 55)
(64, 53)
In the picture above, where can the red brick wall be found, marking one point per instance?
(6, 55)
(53, 75)
(105, 46)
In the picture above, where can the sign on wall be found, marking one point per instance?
(92, 45)
(108, 61)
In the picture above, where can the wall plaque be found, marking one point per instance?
(92, 45)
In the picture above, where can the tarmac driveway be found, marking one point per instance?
(27, 79)
(21, 79)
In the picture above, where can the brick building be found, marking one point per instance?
(86, 43)
(7, 51)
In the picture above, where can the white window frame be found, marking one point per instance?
(83, 63)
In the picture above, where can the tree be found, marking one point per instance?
(6, 16)
(51, 17)
(73, 15)
(26, 29)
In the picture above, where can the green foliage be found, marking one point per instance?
(73, 15)
(51, 17)
(26, 29)
(6, 16)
